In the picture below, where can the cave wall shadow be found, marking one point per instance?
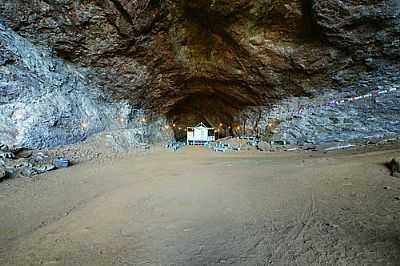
(212, 109)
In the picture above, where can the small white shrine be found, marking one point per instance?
(200, 135)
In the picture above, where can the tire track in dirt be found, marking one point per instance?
(303, 222)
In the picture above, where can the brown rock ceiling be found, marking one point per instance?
(206, 60)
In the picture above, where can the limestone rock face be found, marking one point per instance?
(45, 102)
(207, 60)
(366, 111)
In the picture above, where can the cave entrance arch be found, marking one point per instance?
(214, 110)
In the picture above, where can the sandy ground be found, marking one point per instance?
(196, 207)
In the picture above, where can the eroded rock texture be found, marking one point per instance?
(207, 60)
(355, 113)
(45, 102)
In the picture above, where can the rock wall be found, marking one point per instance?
(208, 60)
(166, 54)
(368, 110)
(45, 102)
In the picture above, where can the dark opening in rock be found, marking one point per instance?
(210, 108)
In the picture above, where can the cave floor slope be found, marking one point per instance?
(196, 207)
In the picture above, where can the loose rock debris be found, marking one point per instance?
(17, 162)
(2, 173)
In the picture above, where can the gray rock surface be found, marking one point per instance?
(219, 57)
(2, 173)
(33, 163)
(300, 120)
(45, 102)
(6, 155)
(196, 61)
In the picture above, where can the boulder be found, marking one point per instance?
(2, 173)
(395, 167)
(7, 155)
(39, 157)
(263, 146)
(61, 163)
(43, 168)
(24, 154)
(11, 172)
(26, 172)
(3, 148)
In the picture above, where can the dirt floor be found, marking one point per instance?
(197, 207)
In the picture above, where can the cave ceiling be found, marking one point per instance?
(177, 57)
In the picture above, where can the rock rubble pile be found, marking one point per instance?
(17, 162)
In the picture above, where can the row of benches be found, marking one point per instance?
(222, 147)
(174, 145)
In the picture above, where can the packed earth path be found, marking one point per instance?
(197, 207)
